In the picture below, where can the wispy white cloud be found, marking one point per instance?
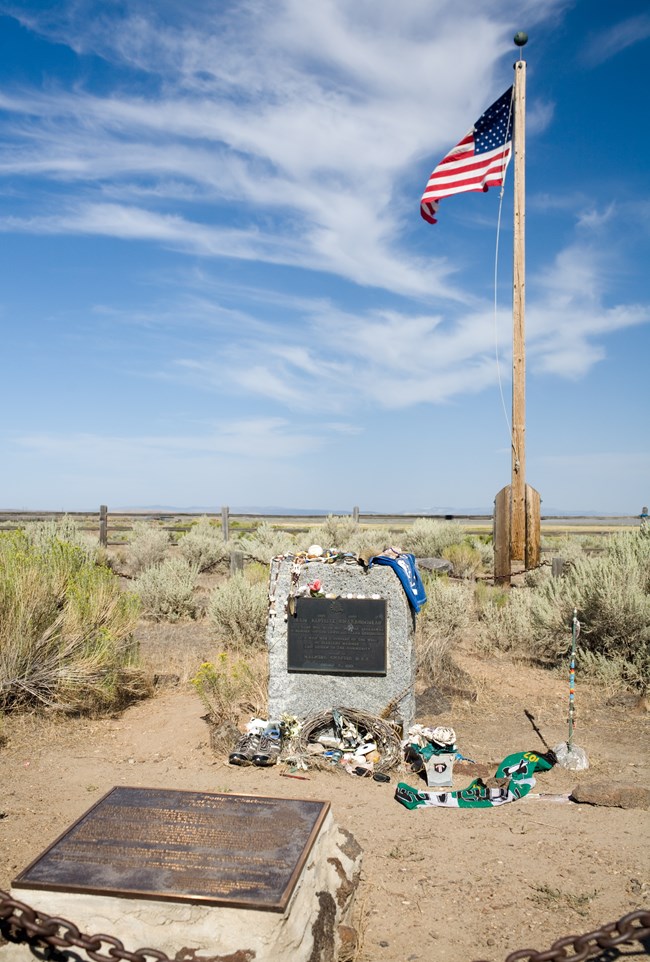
(335, 360)
(595, 218)
(617, 37)
(357, 256)
(272, 438)
(264, 114)
(569, 319)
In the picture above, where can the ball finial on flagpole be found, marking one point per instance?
(521, 38)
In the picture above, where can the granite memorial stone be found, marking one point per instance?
(353, 647)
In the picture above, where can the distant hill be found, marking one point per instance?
(283, 511)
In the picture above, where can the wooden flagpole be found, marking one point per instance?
(517, 506)
(518, 476)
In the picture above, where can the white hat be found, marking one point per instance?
(443, 736)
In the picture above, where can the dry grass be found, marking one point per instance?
(65, 629)
(228, 685)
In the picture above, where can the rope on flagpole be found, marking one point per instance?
(496, 273)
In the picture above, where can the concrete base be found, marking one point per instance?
(308, 931)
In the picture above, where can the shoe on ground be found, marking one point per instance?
(244, 750)
(268, 751)
(414, 759)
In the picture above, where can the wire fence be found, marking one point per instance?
(114, 528)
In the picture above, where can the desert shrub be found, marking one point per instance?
(537, 576)
(465, 559)
(238, 610)
(442, 624)
(41, 534)
(148, 546)
(569, 548)
(485, 549)
(486, 595)
(594, 541)
(611, 593)
(373, 539)
(336, 531)
(222, 685)
(65, 629)
(613, 672)
(167, 589)
(428, 537)
(505, 622)
(257, 573)
(203, 545)
(266, 542)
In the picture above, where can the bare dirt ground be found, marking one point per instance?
(436, 884)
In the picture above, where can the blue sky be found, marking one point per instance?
(217, 287)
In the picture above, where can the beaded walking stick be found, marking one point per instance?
(568, 754)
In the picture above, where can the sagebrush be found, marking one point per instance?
(266, 542)
(442, 625)
(223, 684)
(428, 537)
(148, 546)
(66, 628)
(167, 590)
(203, 545)
(238, 610)
(466, 560)
(611, 593)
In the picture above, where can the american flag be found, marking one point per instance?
(479, 161)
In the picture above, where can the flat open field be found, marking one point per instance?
(120, 525)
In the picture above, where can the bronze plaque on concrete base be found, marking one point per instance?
(232, 850)
(338, 636)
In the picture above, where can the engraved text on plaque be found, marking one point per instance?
(236, 850)
(344, 636)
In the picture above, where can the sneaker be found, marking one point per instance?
(414, 759)
(243, 752)
(268, 750)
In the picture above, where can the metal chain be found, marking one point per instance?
(633, 927)
(21, 923)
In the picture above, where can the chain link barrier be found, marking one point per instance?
(21, 923)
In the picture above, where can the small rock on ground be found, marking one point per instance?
(611, 795)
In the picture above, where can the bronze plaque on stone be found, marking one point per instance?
(241, 851)
(338, 636)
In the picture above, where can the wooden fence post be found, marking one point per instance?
(501, 536)
(557, 566)
(103, 525)
(236, 562)
(225, 523)
(355, 513)
(533, 552)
